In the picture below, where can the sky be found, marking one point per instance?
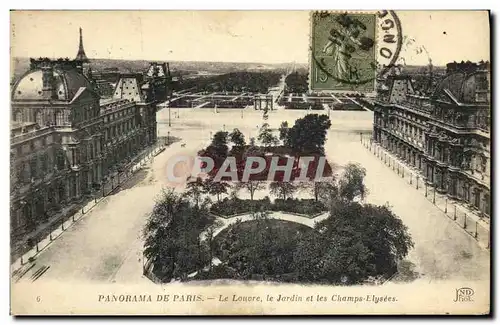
(230, 36)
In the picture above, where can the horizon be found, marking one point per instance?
(161, 60)
(226, 62)
(199, 36)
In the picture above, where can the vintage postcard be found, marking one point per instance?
(250, 162)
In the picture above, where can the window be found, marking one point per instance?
(18, 116)
(59, 118)
(60, 159)
(34, 166)
(24, 173)
(39, 118)
(44, 162)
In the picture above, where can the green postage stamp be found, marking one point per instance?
(342, 53)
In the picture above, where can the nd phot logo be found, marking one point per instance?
(464, 294)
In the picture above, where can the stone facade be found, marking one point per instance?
(446, 136)
(66, 142)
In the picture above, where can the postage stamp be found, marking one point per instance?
(343, 52)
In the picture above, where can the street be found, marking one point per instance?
(442, 249)
(106, 245)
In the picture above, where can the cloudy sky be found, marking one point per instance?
(234, 36)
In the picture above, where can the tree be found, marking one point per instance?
(308, 257)
(323, 189)
(363, 241)
(219, 144)
(282, 189)
(351, 183)
(171, 236)
(308, 135)
(195, 189)
(266, 136)
(215, 188)
(237, 138)
(283, 131)
(296, 83)
(251, 186)
(252, 141)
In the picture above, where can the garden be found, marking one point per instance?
(354, 243)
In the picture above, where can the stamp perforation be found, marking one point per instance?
(311, 62)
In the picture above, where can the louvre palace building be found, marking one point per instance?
(445, 135)
(66, 141)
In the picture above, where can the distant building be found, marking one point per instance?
(104, 88)
(66, 141)
(447, 135)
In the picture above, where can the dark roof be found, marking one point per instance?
(463, 86)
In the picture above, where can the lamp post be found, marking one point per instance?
(417, 182)
(169, 122)
(446, 205)
(425, 189)
(168, 138)
(434, 197)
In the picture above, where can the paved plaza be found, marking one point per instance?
(106, 244)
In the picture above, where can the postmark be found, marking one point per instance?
(350, 50)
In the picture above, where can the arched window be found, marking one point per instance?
(18, 116)
(482, 167)
(59, 118)
(34, 167)
(39, 117)
(486, 204)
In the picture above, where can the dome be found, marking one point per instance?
(467, 88)
(66, 85)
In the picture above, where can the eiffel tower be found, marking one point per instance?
(81, 56)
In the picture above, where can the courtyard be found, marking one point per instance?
(106, 245)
